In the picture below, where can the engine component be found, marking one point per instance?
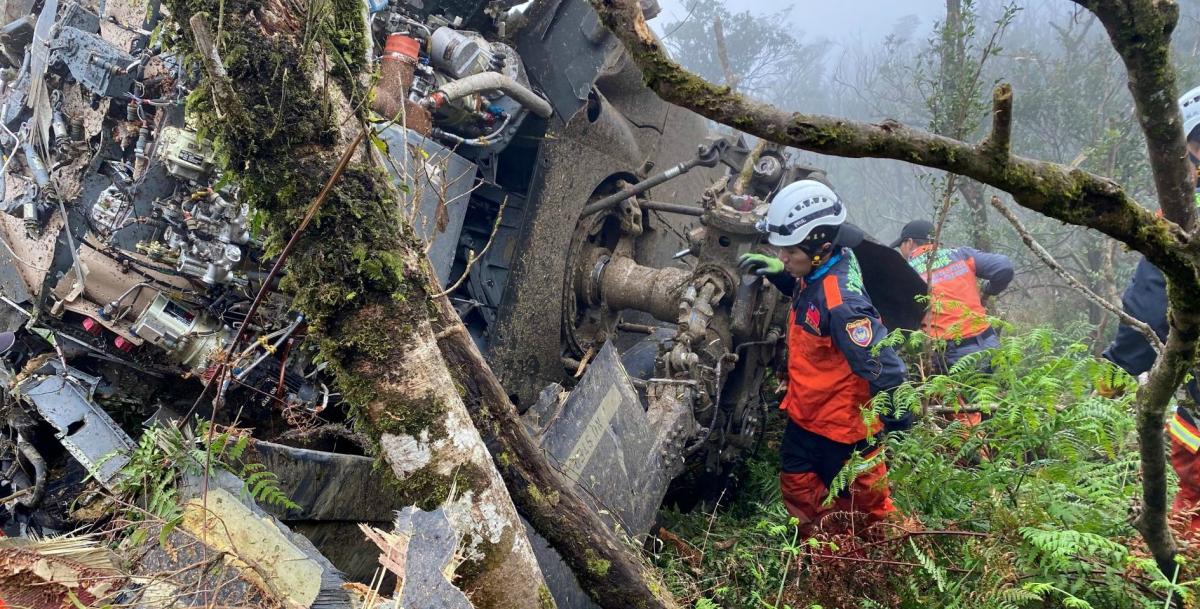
(100, 66)
(707, 156)
(189, 337)
(111, 209)
(204, 237)
(491, 81)
(459, 53)
(186, 155)
(397, 71)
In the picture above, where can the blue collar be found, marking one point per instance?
(823, 269)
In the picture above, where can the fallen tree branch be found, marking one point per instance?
(1152, 398)
(1140, 31)
(731, 79)
(213, 66)
(1049, 260)
(998, 142)
(747, 172)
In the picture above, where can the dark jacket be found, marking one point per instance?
(1145, 300)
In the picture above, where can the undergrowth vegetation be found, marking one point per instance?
(1031, 508)
(165, 455)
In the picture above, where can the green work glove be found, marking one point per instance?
(760, 264)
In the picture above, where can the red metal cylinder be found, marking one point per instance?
(396, 71)
(92, 326)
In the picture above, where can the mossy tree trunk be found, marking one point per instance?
(282, 116)
(1140, 31)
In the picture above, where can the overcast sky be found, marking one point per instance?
(840, 22)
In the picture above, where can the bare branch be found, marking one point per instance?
(1048, 258)
(1152, 398)
(743, 179)
(997, 142)
(222, 87)
(731, 79)
(472, 257)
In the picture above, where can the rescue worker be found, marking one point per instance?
(832, 369)
(1146, 300)
(956, 314)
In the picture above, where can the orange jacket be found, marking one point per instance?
(832, 370)
(955, 307)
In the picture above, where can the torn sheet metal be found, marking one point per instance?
(328, 486)
(601, 439)
(64, 400)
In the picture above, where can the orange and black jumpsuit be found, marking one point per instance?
(832, 375)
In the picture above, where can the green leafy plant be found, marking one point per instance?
(165, 454)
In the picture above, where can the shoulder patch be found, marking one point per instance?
(860, 332)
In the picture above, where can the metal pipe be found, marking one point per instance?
(36, 166)
(674, 208)
(637, 189)
(287, 332)
(489, 81)
(639, 328)
(625, 284)
(708, 156)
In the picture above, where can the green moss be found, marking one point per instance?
(428, 489)
(543, 499)
(545, 599)
(346, 272)
(535, 494)
(345, 33)
(595, 565)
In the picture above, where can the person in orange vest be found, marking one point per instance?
(956, 314)
(834, 365)
(1146, 300)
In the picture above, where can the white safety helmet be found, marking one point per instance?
(798, 210)
(1189, 107)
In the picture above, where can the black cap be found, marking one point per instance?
(921, 230)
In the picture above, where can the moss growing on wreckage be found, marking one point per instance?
(426, 488)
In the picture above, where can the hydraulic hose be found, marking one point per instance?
(489, 81)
